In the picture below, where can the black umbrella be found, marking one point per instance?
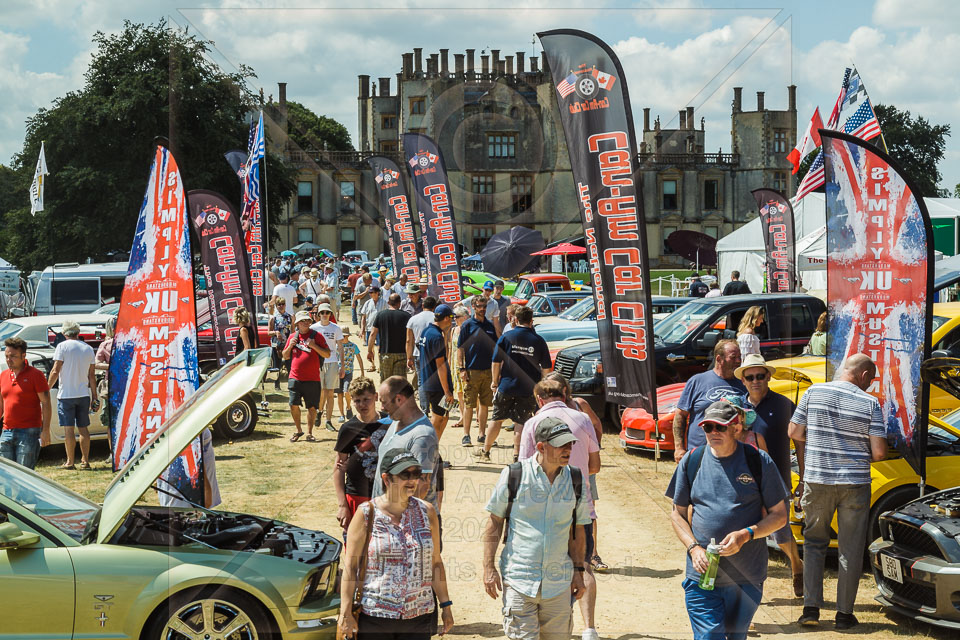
(508, 252)
(696, 247)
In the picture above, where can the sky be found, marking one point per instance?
(675, 53)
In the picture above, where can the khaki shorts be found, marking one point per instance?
(477, 387)
(393, 364)
(526, 618)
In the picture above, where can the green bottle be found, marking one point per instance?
(709, 576)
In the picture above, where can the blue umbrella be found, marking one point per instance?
(289, 254)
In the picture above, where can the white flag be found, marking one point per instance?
(36, 189)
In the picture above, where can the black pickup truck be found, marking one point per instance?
(685, 339)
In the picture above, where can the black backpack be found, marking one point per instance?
(515, 471)
(754, 464)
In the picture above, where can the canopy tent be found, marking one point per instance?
(5, 265)
(744, 251)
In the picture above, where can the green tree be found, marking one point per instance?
(956, 191)
(145, 81)
(916, 144)
(805, 165)
(311, 131)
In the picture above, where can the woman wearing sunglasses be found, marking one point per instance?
(392, 565)
(723, 499)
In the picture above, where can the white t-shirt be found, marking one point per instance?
(77, 357)
(417, 324)
(286, 292)
(333, 335)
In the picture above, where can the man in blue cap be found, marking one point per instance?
(435, 379)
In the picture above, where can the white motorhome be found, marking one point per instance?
(78, 288)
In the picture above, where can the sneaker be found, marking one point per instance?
(810, 617)
(481, 439)
(484, 456)
(845, 621)
(509, 427)
(349, 414)
(329, 426)
(465, 441)
(341, 419)
(590, 634)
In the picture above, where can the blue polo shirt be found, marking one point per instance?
(432, 346)
(523, 354)
(478, 340)
(773, 419)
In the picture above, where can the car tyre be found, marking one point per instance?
(893, 499)
(239, 420)
(207, 612)
(615, 414)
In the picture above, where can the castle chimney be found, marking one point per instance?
(433, 63)
(495, 60)
(543, 61)
(520, 62)
(646, 118)
(407, 66)
(690, 118)
(470, 53)
(364, 86)
(683, 119)
(384, 87)
(418, 60)
(485, 64)
(458, 63)
(737, 99)
(792, 97)
(444, 67)
(282, 93)
(509, 62)
(759, 100)
(533, 65)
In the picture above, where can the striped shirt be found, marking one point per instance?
(840, 419)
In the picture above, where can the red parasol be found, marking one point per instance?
(562, 249)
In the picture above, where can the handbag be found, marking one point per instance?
(355, 607)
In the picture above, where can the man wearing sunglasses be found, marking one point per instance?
(773, 412)
(724, 500)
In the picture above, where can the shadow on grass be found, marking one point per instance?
(639, 572)
(258, 434)
(482, 629)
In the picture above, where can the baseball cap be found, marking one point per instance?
(69, 326)
(303, 315)
(488, 285)
(397, 460)
(412, 288)
(324, 307)
(720, 412)
(284, 275)
(499, 283)
(443, 311)
(554, 432)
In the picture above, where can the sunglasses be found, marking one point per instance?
(710, 426)
(760, 377)
(409, 474)
(325, 313)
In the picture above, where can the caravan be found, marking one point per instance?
(78, 288)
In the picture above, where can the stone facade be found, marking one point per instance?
(498, 126)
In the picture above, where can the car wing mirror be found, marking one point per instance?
(709, 340)
(11, 537)
(940, 353)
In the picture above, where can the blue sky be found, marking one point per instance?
(675, 53)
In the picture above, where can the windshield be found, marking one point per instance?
(682, 322)
(56, 504)
(577, 311)
(938, 321)
(9, 329)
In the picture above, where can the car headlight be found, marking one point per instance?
(587, 368)
(318, 584)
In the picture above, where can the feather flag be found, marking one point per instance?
(36, 188)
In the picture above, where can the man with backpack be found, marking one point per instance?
(540, 502)
(721, 490)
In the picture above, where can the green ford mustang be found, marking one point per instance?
(70, 568)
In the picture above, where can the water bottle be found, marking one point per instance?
(709, 576)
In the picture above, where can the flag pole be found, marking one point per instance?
(266, 219)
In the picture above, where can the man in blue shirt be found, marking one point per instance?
(700, 392)
(542, 562)
(520, 361)
(435, 380)
(478, 339)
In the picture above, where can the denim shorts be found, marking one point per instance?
(74, 412)
(21, 446)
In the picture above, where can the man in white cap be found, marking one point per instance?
(332, 368)
(73, 366)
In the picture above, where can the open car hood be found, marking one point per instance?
(232, 381)
(943, 373)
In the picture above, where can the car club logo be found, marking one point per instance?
(212, 215)
(387, 177)
(587, 83)
(423, 159)
(773, 206)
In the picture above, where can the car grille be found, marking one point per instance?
(919, 595)
(636, 434)
(908, 537)
(565, 365)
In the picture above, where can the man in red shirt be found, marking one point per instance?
(305, 349)
(24, 407)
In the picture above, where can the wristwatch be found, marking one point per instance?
(690, 548)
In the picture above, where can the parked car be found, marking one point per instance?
(78, 288)
(531, 283)
(684, 341)
(477, 278)
(132, 570)
(356, 256)
(552, 303)
(566, 330)
(586, 308)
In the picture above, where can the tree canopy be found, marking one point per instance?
(144, 82)
(313, 132)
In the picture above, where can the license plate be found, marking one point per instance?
(891, 568)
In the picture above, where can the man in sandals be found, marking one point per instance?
(73, 367)
(305, 348)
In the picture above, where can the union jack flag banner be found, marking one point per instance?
(879, 282)
(254, 230)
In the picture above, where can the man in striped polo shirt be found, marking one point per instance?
(838, 431)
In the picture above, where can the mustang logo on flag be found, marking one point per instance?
(879, 281)
(154, 369)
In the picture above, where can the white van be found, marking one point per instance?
(78, 288)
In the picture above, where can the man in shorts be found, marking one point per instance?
(415, 326)
(435, 379)
(478, 338)
(305, 348)
(520, 360)
(332, 369)
(73, 366)
(24, 406)
(390, 333)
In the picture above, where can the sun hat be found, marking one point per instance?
(323, 306)
(750, 361)
(554, 432)
(303, 315)
(412, 288)
(720, 412)
(397, 460)
(314, 272)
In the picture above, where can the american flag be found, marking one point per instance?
(565, 87)
(812, 180)
(863, 123)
